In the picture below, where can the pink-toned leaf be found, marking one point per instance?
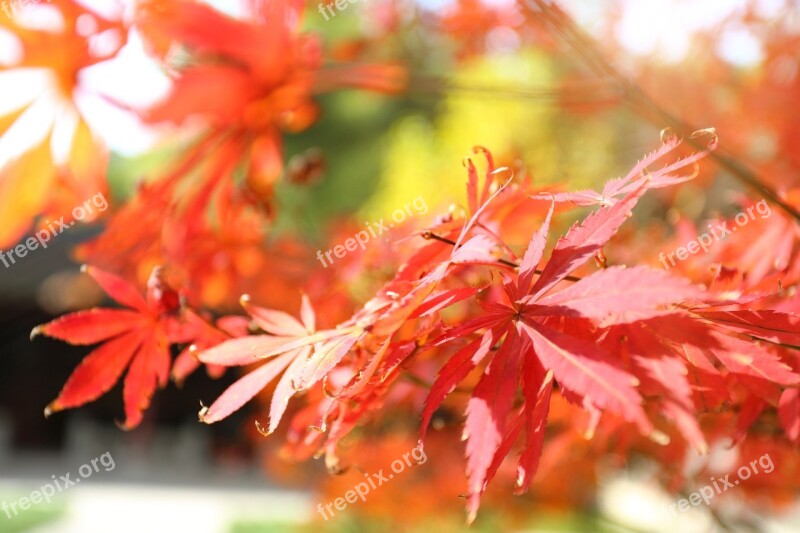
(325, 357)
(477, 250)
(274, 322)
(617, 290)
(687, 424)
(579, 366)
(314, 338)
(533, 254)
(443, 299)
(360, 380)
(768, 325)
(235, 326)
(512, 433)
(245, 389)
(456, 369)
(752, 359)
(477, 214)
(537, 406)
(487, 412)
(285, 388)
(583, 241)
(242, 350)
(463, 330)
(664, 376)
(307, 315)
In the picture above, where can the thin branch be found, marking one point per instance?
(589, 51)
(427, 83)
(435, 237)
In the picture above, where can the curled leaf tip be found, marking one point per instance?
(502, 169)
(668, 136)
(50, 409)
(659, 437)
(261, 429)
(124, 426)
(202, 414)
(711, 132)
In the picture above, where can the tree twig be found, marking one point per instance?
(435, 237)
(589, 51)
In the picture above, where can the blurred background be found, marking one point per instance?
(480, 72)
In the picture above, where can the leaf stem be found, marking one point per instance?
(431, 235)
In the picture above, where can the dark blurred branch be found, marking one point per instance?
(591, 93)
(589, 51)
(428, 235)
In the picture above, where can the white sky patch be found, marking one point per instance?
(131, 78)
(19, 88)
(234, 8)
(10, 49)
(664, 28)
(740, 47)
(436, 5)
(38, 16)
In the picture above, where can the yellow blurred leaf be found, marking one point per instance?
(7, 120)
(24, 184)
(87, 164)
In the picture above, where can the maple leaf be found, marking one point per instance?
(292, 345)
(204, 335)
(264, 85)
(577, 364)
(30, 182)
(664, 374)
(137, 338)
(640, 174)
(772, 326)
(487, 410)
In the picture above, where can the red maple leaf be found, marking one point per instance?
(136, 338)
(533, 327)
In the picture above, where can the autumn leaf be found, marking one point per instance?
(137, 338)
